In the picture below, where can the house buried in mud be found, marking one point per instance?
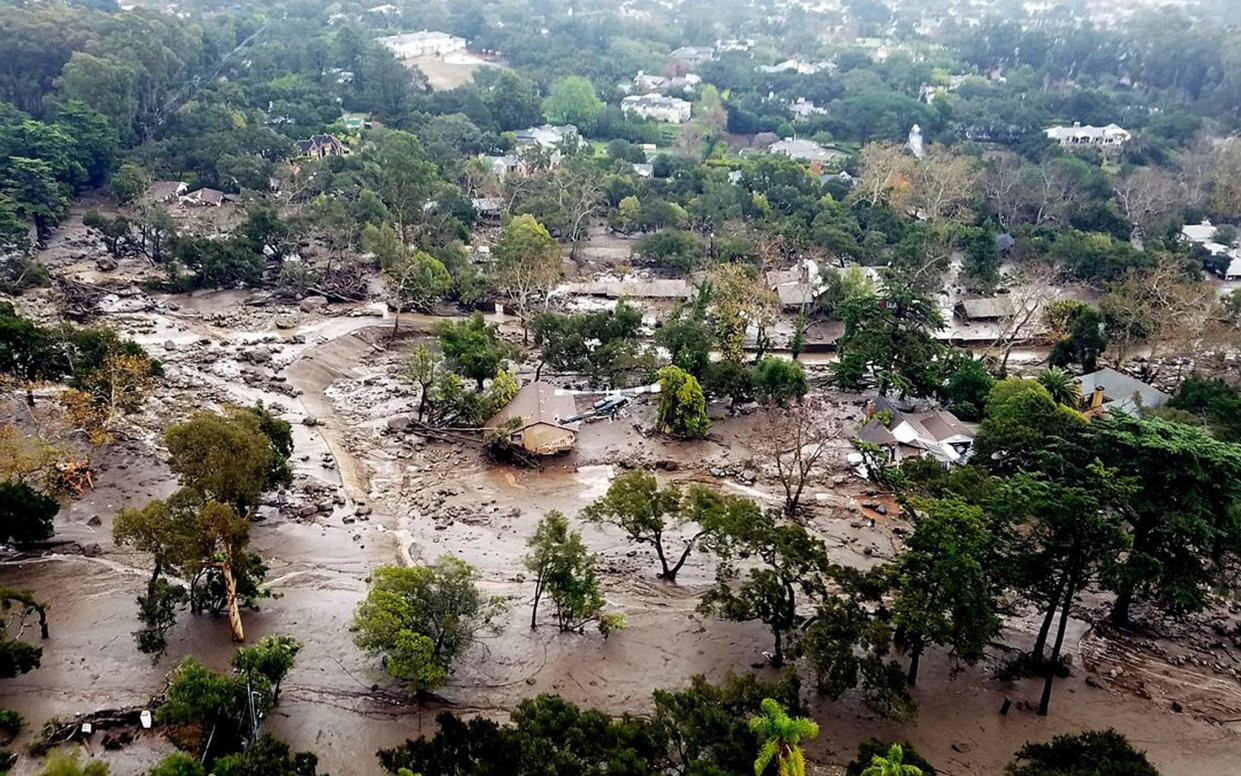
(537, 414)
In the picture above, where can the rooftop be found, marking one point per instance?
(1122, 392)
(537, 402)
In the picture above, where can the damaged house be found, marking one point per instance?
(908, 433)
(539, 416)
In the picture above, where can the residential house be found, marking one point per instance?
(797, 66)
(503, 166)
(1108, 389)
(321, 147)
(1225, 260)
(356, 121)
(537, 414)
(993, 308)
(547, 135)
(165, 192)
(803, 109)
(203, 198)
(1110, 136)
(903, 433)
(694, 55)
(411, 45)
(656, 107)
(644, 170)
(677, 289)
(735, 44)
(488, 208)
(645, 83)
(797, 287)
(805, 150)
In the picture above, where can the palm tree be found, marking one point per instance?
(781, 736)
(892, 765)
(1061, 384)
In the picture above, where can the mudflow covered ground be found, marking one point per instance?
(369, 492)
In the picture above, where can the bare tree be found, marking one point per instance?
(798, 440)
(1032, 288)
(1145, 195)
(1006, 186)
(884, 173)
(945, 185)
(1156, 307)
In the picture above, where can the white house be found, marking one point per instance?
(804, 109)
(411, 45)
(1111, 136)
(902, 434)
(1227, 263)
(797, 66)
(656, 107)
(546, 135)
(804, 150)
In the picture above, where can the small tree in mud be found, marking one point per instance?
(796, 439)
(425, 368)
(423, 619)
(415, 281)
(638, 506)
(474, 348)
(790, 562)
(225, 462)
(527, 265)
(682, 406)
(16, 655)
(556, 553)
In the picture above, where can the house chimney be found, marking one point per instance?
(1096, 399)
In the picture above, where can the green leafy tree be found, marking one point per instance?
(682, 406)
(778, 380)
(271, 658)
(889, 337)
(563, 570)
(1182, 512)
(129, 183)
(415, 281)
(26, 512)
(782, 736)
(967, 388)
(17, 656)
(422, 619)
(116, 233)
(603, 344)
(474, 348)
(784, 561)
(68, 762)
(946, 584)
(1061, 385)
(645, 512)
(670, 249)
(178, 764)
(891, 764)
(847, 646)
(424, 370)
(527, 264)
(1085, 340)
(688, 342)
(1092, 753)
(1215, 402)
(404, 178)
(572, 100)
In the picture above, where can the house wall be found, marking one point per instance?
(546, 439)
